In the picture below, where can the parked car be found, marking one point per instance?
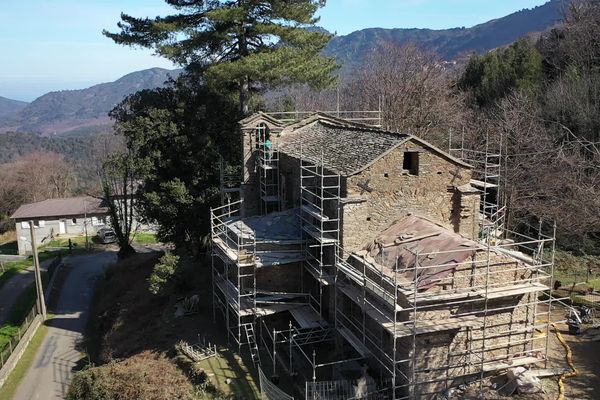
(106, 235)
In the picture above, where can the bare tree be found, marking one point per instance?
(119, 184)
(35, 177)
(416, 88)
(545, 175)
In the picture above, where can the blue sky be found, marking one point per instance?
(57, 44)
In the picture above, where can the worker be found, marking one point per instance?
(269, 148)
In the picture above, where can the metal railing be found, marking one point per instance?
(16, 337)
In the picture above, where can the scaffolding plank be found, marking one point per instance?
(314, 212)
(354, 342)
(514, 290)
(321, 237)
(482, 184)
(515, 362)
(230, 253)
(307, 318)
(383, 317)
(325, 280)
(405, 328)
(492, 293)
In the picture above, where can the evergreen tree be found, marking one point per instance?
(243, 46)
(176, 135)
(492, 76)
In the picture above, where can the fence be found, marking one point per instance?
(269, 391)
(14, 339)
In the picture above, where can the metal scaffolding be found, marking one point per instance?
(230, 179)
(320, 219)
(234, 277)
(488, 163)
(268, 166)
(386, 316)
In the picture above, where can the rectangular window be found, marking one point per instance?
(74, 221)
(411, 162)
(94, 220)
(39, 223)
(24, 225)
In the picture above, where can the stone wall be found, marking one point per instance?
(279, 278)
(386, 191)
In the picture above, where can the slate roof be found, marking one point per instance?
(71, 206)
(344, 149)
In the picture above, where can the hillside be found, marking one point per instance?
(85, 111)
(451, 44)
(8, 106)
(63, 111)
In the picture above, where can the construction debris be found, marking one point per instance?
(187, 306)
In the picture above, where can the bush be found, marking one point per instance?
(146, 376)
(162, 276)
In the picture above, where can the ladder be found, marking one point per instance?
(249, 329)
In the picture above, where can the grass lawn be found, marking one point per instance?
(8, 390)
(78, 241)
(227, 366)
(17, 315)
(569, 269)
(145, 238)
(12, 268)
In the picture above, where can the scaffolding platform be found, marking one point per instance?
(354, 341)
(314, 212)
(323, 279)
(233, 256)
(514, 362)
(319, 236)
(492, 293)
(514, 290)
(307, 318)
(481, 184)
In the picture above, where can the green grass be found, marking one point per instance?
(8, 390)
(226, 366)
(78, 241)
(569, 268)
(17, 315)
(145, 238)
(12, 268)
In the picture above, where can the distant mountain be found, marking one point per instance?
(450, 44)
(8, 106)
(68, 110)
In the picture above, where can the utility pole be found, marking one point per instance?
(38, 275)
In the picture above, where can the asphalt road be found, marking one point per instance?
(52, 369)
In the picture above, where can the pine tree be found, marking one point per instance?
(242, 46)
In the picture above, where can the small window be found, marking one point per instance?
(39, 223)
(74, 221)
(411, 162)
(24, 225)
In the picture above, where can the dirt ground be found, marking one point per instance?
(134, 324)
(586, 358)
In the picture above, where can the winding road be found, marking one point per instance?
(52, 368)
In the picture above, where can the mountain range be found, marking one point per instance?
(85, 110)
(68, 110)
(450, 44)
(8, 106)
